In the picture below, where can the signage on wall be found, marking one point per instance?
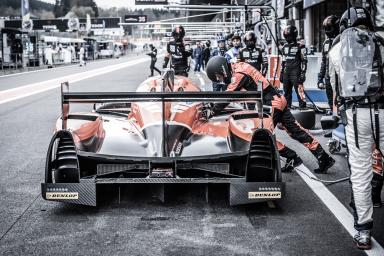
(135, 18)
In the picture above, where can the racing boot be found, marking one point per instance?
(292, 159)
(325, 162)
(302, 105)
(291, 163)
(363, 239)
(377, 185)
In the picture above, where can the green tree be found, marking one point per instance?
(62, 7)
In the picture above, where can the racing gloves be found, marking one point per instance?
(320, 82)
(206, 112)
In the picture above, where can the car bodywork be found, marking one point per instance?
(157, 135)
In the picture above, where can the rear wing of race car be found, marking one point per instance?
(165, 96)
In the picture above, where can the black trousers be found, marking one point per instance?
(153, 67)
(297, 132)
(329, 92)
(291, 79)
(181, 72)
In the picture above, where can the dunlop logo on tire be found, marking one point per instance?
(62, 195)
(264, 194)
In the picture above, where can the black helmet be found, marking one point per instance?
(178, 32)
(358, 16)
(290, 33)
(217, 66)
(331, 26)
(208, 43)
(250, 39)
(151, 45)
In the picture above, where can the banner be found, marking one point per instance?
(379, 15)
(62, 24)
(150, 2)
(280, 5)
(73, 24)
(26, 16)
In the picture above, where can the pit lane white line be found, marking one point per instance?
(336, 207)
(55, 68)
(35, 88)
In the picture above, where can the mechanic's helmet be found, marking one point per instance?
(218, 66)
(290, 33)
(331, 26)
(178, 32)
(359, 17)
(250, 39)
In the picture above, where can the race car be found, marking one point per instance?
(158, 135)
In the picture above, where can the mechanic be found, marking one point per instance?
(153, 55)
(206, 53)
(228, 37)
(331, 29)
(220, 50)
(232, 55)
(198, 56)
(253, 55)
(177, 53)
(362, 107)
(242, 76)
(293, 66)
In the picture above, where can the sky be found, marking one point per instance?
(108, 3)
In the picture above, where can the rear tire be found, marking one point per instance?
(62, 162)
(305, 117)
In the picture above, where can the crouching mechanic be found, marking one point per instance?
(356, 74)
(242, 76)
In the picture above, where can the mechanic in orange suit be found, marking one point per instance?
(243, 77)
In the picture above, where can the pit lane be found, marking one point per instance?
(138, 224)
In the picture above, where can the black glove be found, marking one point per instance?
(320, 82)
(206, 112)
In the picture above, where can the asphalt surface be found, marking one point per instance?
(138, 224)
